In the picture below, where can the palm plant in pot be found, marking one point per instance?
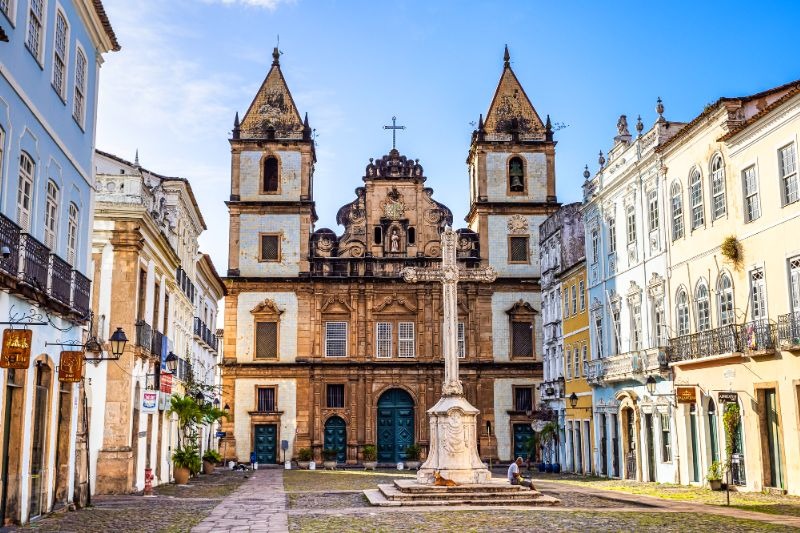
(186, 457)
(210, 460)
(304, 456)
(413, 452)
(370, 457)
(329, 456)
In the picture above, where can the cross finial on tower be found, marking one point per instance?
(506, 58)
(394, 127)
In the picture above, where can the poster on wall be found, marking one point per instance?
(70, 367)
(149, 401)
(16, 348)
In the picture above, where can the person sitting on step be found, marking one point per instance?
(515, 478)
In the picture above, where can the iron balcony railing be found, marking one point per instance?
(60, 286)
(789, 331)
(144, 335)
(34, 262)
(9, 237)
(81, 293)
(595, 371)
(755, 336)
(156, 344)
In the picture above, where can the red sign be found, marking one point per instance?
(70, 367)
(16, 348)
(166, 383)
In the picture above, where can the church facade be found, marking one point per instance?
(325, 346)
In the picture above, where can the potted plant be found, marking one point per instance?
(210, 460)
(304, 456)
(370, 457)
(329, 456)
(187, 463)
(714, 476)
(413, 452)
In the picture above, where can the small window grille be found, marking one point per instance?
(523, 398)
(521, 339)
(335, 396)
(519, 249)
(383, 340)
(462, 352)
(405, 339)
(270, 248)
(266, 340)
(336, 339)
(266, 400)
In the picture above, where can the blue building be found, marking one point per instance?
(49, 65)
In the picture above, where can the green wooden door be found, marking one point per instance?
(522, 432)
(336, 437)
(395, 425)
(265, 445)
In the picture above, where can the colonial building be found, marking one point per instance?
(326, 347)
(625, 231)
(151, 281)
(49, 67)
(734, 287)
(561, 238)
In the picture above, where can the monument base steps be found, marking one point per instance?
(405, 492)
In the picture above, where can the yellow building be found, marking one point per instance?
(734, 278)
(578, 425)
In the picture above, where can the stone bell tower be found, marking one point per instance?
(272, 168)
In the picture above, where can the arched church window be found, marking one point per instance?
(271, 175)
(412, 236)
(516, 175)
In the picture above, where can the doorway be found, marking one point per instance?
(522, 433)
(651, 453)
(395, 425)
(336, 437)
(12, 444)
(265, 445)
(771, 432)
(62, 444)
(693, 429)
(38, 467)
(630, 443)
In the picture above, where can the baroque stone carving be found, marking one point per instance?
(268, 306)
(517, 224)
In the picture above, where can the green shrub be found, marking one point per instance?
(212, 456)
(370, 452)
(413, 452)
(304, 454)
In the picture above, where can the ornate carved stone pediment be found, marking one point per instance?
(634, 295)
(521, 307)
(267, 307)
(336, 304)
(394, 305)
(655, 287)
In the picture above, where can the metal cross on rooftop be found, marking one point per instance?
(394, 127)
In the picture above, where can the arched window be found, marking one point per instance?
(60, 55)
(26, 172)
(718, 206)
(271, 175)
(703, 307)
(72, 234)
(725, 300)
(412, 236)
(696, 199)
(682, 313)
(677, 211)
(51, 215)
(516, 175)
(79, 103)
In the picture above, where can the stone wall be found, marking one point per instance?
(535, 175)
(287, 334)
(288, 226)
(250, 175)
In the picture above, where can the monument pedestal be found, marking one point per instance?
(453, 443)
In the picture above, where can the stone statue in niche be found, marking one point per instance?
(394, 241)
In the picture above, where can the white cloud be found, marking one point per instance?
(267, 4)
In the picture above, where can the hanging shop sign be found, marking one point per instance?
(728, 397)
(165, 384)
(685, 394)
(16, 348)
(149, 401)
(70, 367)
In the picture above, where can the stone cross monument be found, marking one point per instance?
(453, 420)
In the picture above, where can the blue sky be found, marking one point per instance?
(187, 66)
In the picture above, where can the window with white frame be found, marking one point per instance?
(383, 339)
(682, 313)
(630, 223)
(616, 325)
(794, 283)
(405, 339)
(576, 354)
(758, 294)
(565, 299)
(696, 199)
(582, 293)
(51, 216)
(752, 205)
(659, 323)
(336, 339)
(462, 342)
(676, 200)
(612, 236)
(636, 326)
(725, 298)
(598, 334)
(666, 448)
(79, 100)
(718, 205)
(569, 363)
(24, 189)
(72, 234)
(703, 307)
(787, 167)
(652, 209)
(595, 245)
(585, 359)
(574, 299)
(60, 43)
(35, 28)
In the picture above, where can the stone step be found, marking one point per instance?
(493, 487)
(379, 498)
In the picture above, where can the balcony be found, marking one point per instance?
(60, 286)
(628, 366)
(789, 331)
(552, 390)
(384, 267)
(81, 292)
(156, 344)
(144, 335)
(205, 334)
(753, 339)
(34, 262)
(9, 237)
